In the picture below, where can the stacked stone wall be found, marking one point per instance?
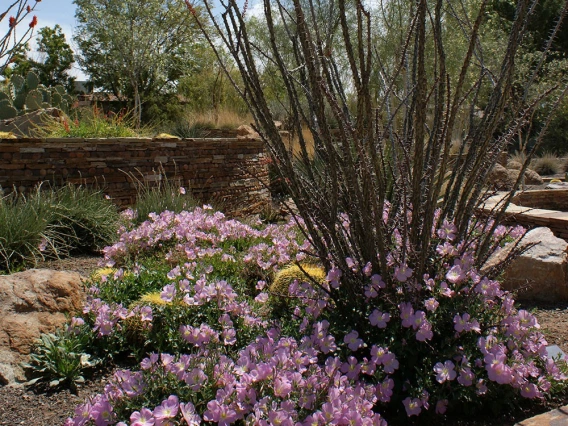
(231, 172)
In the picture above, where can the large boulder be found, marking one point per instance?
(503, 179)
(31, 303)
(533, 178)
(540, 273)
(247, 132)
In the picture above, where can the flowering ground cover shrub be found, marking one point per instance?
(214, 352)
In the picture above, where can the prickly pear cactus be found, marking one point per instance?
(7, 110)
(27, 94)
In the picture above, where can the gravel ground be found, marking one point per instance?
(33, 407)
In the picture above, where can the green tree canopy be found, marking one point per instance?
(136, 48)
(56, 58)
(53, 63)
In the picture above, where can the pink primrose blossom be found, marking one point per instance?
(424, 332)
(168, 293)
(530, 390)
(379, 319)
(143, 417)
(413, 406)
(219, 413)
(282, 387)
(466, 377)
(402, 273)
(168, 409)
(146, 313)
(406, 314)
(261, 298)
(385, 390)
(441, 406)
(455, 275)
(445, 372)
(353, 341)
(431, 304)
(447, 231)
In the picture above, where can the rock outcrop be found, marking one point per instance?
(31, 303)
(503, 179)
(540, 273)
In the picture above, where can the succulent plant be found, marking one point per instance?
(27, 94)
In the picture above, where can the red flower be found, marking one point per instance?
(29, 9)
(12, 22)
(34, 22)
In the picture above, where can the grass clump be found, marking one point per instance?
(547, 164)
(165, 195)
(54, 223)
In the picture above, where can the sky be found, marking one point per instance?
(49, 13)
(62, 12)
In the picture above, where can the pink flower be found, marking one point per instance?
(402, 273)
(431, 304)
(353, 341)
(455, 275)
(219, 413)
(466, 377)
(189, 414)
(168, 409)
(168, 293)
(441, 406)
(282, 387)
(143, 417)
(261, 298)
(406, 314)
(447, 231)
(445, 371)
(530, 390)
(413, 406)
(424, 332)
(385, 390)
(379, 319)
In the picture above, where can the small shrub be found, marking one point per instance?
(61, 358)
(186, 130)
(91, 123)
(547, 164)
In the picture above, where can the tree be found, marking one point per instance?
(53, 63)
(135, 48)
(56, 58)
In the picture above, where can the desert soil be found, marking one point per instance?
(33, 407)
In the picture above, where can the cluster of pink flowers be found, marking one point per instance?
(464, 328)
(274, 380)
(108, 316)
(201, 233)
